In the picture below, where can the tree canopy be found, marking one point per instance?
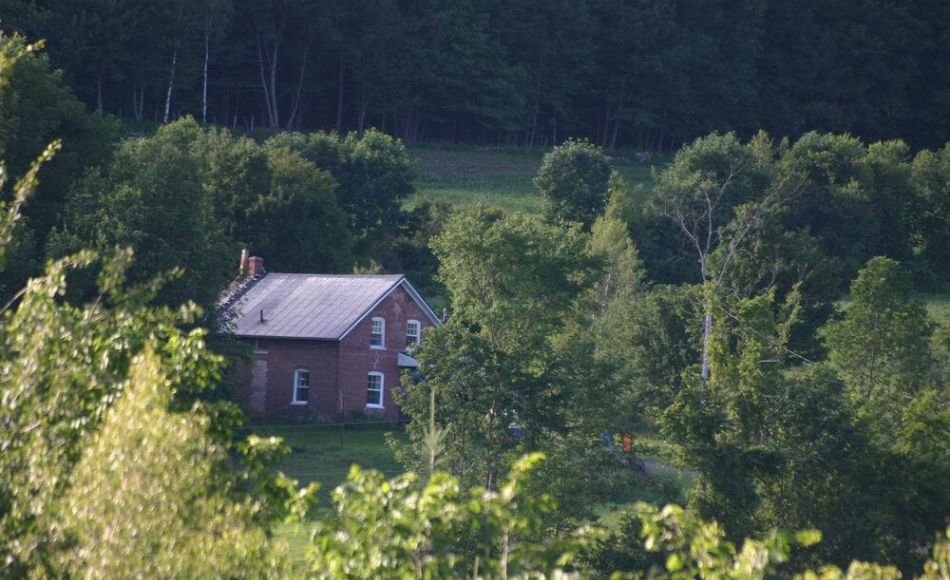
(650, 75)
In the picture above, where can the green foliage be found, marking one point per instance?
(573, 180)
(150, 198)
(110, 465)
(674, 543)
(147, 496)
(519, 72)
(298, 222)
(512, 276)
(189, 197)
(880, 344)
(929, 214)
(87, 430)
(835, 198)
(404, 528)
(717, 166)
(782, 448)
(374, 175)
(36, 109)
(610, 238)
(476, 394)
(512, 371)
(627, 334)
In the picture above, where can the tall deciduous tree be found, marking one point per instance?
(573, 180)
(150, 198)
(374, 175)
(712, 183)
(496, 367)
(881, 343)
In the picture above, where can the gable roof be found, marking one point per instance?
(312, 306)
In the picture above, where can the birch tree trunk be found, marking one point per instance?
(204, 84)
(339, 98)
(171, 86)
(267, 64)
(99, 90)
(293, 118)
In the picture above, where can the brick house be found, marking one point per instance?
(324, 345)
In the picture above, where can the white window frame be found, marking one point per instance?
(382, 390)
(413, 340)
(382, 339)
(298, 373)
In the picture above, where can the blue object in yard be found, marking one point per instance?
(608, 439)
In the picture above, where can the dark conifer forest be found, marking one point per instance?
(650, 75)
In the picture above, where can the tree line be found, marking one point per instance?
(649, 75)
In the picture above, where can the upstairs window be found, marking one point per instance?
(378, 333)
(413, 333)
(374, 390)
(301, 387)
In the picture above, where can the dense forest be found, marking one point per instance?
(761, 308)
(650, 75)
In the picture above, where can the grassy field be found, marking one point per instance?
(500, 177)
(324, 454)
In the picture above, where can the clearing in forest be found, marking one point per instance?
(501, 177)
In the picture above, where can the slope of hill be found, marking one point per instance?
(461, 175)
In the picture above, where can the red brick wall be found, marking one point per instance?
(280, 357)
(357, 359)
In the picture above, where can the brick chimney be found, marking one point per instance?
(255, 266)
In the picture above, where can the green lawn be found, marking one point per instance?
(492, 176)
(324, 454)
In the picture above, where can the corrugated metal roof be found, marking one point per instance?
(314, 306)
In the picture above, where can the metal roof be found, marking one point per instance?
(312, 306)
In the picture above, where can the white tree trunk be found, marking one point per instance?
(171, 86)
(204, 88)
(707, 335)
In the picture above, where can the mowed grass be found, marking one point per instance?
(501, 177)
(324, 453)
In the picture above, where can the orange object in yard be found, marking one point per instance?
(627, 442)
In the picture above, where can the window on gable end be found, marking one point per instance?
(377, 335)
(413, 333)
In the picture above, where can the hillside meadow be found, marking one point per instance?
(502, 176)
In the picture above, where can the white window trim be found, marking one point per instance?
(418, 336)
(293, 394)
(382, 390)
(377, 346)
